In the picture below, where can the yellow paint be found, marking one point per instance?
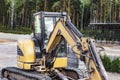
(28, 49)
(24, 66)
(95, 75)
(55, 38)
(60, 62)
(84, 44)
(20, 64)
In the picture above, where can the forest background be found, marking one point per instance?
(17, 15)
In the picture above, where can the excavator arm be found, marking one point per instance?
(83, 47)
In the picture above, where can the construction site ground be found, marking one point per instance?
(8, 52)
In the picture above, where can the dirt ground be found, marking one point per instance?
(7, 53)
(5, 40)
(8, 57)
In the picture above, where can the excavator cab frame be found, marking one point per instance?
(44, 23)
(40, 28)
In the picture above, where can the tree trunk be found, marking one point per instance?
(110, 11)
(82, 18)
(64, 5)
(91, 12)
(37, 6)
(26, 13)
(100, 10)
(9, 19)
(117, 13)
(45, 5)
(77, 20)
(104, 14)
(22, 22)
(12, 14)
(3, 18)
(69, 8)
(73, 17)
(3, 11)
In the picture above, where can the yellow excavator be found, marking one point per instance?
(57, 51)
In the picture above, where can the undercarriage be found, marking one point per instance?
(13, 73)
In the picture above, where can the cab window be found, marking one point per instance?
(37, 25)
(49, 25)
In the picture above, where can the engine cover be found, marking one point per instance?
(26, 53)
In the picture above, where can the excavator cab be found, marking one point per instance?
(44, 23)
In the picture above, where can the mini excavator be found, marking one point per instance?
(45, 55)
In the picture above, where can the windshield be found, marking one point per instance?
(49, 25)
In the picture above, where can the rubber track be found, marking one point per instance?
(26, 74)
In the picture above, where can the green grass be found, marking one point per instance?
(16, 30)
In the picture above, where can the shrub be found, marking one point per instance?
(111, 65)
(106, 62)
(115, 65)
